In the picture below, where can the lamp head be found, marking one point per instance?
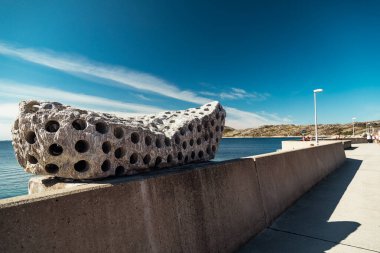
(318, 90)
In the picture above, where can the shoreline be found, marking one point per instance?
(232, 137)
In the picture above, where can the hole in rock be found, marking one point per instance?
(47, 106)
(133, 158)
(106, 165)
(148, 140)
(106, 147)
(81, 166)
(101, 127)
(119, 152)
(191, 142)
(51, 168)
(169, 159)
(186, 159)
(199, 128)
(182, 131)
(52, 126)
(199, 141)
(158, 143)
(82, 146)
(184, 145)
(119, 171)
(32, 159)
(180, 156)
(55, 149)
(30, 137)
(213, 148)
(79, 124)
(135, 138)
(200, 154)
(167, 141)
(208, 150)
(158, 161)
(192, 155)
(146, 159)
(177, 139)
(118, 132)
(217, 128)
(212, 122)
(191, 127)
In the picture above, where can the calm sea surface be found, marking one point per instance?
(14, 181)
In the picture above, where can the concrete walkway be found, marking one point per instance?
(340, 214)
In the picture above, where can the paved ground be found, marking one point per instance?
(340, 214)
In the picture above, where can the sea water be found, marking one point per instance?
(14, 181)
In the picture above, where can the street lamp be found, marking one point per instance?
(353, 126)
(315, 114)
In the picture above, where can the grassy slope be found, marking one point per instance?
(295, 130)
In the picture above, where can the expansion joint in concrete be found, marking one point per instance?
(320, 239)
(261, 194)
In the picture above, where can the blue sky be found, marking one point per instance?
(260, 59)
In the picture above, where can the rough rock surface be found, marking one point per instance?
(53, 139)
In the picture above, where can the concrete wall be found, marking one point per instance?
(357, 140)
(214, 207)
(291, 145)
(286, 176)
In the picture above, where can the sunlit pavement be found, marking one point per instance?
(340, 214)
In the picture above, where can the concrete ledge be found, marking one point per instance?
(41, 184)
(212, 207)
(286, 176)
(292, 145)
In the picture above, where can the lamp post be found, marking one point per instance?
(353, 126)
(315, 114)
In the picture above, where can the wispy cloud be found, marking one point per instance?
(23, 91)
(143, 97)
(18, 91)
(242, 119)
(237, 93)
(13, 92)
(81, 66)
(145, 82)
(8, 111)
(276, 118)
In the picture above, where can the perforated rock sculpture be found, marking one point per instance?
(53, 139)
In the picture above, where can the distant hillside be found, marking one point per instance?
(295, 130)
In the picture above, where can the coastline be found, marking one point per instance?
(258, 137)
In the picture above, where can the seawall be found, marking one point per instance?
(211, 207)
(294, 144)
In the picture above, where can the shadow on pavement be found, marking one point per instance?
(304, 227)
